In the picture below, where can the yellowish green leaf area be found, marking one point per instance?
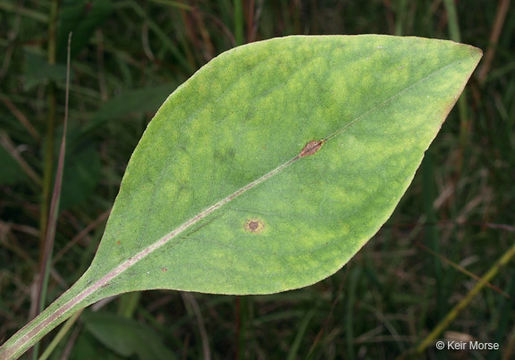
(375, 101)
(378, 100)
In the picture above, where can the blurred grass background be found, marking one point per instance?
(127, 56)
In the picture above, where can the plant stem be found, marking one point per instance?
(451, 315)
(350, 308)
(62, 332)
(430, 230)
(454, 32)
(502, 9)
(48, 165)
(241, 333)
(83, 292)
(400, 17)
(294, 348)
(452, 18)
(57, 312)
(48, 151)
(238, 22)
(46, 263)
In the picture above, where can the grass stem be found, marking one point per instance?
(455, 35)
(46, 263)
(451, 315)
(238, 22)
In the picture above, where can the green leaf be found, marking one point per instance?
(87, 348)
(126, 337)
(378, 101)
(222, 195)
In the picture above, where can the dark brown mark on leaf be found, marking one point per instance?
(163, 269)
(254, 226)
(311, 148)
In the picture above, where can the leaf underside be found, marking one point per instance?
(377, 101)
(270, 167)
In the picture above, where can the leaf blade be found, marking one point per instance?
(249, 112)
(202, 137)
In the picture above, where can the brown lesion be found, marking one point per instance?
(254, 226)
(311, 148)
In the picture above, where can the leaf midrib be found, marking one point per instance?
(121, 268)
(204, 213)
(332, 135)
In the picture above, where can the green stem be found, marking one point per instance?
(62, 332)
(242, 334)
(430, 230)
(451, 315)
(238, 22)
(48, 161)
(454, 33)
(56, 196)
(400, 17)
(57, 312)
(452, 19)
(295, 346)
(351, 303)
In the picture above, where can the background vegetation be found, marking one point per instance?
(127, 56)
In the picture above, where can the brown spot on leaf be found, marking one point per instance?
(163, 269)
(118, 242)
(311, 148)
(254, 226)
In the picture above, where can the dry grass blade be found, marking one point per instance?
(451, 315)
(99, 220)
(461, 269)
(500, 16)
(7, 144)
(20, 117)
